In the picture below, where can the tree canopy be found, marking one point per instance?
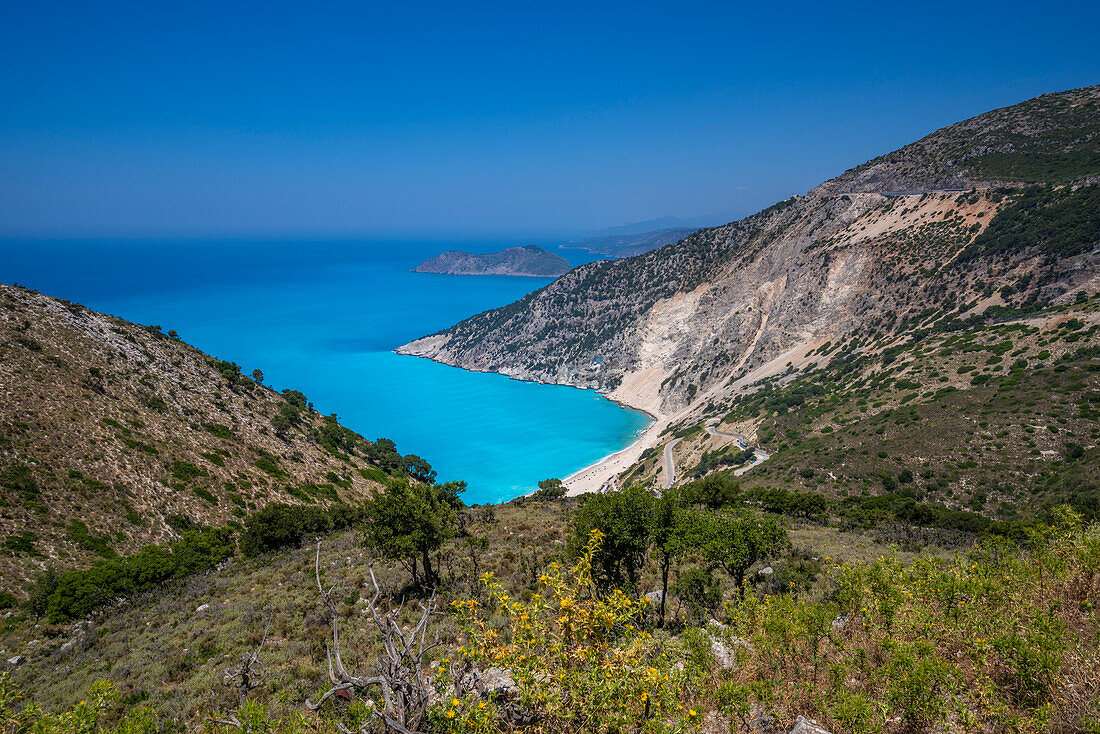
(409, 521)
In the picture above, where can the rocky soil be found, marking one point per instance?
(111, 431)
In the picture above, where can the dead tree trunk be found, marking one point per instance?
(398, 674)
(246, 677)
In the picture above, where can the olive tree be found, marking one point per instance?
(733, 541)
(408, 522)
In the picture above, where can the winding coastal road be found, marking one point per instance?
(670, 466)
(760, 454)
(715, 432)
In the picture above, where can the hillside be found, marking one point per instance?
(853, 264)
(629, 245)
(944, 623)
(115, 435)
(529, 261)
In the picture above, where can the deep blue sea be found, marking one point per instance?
(323, 318)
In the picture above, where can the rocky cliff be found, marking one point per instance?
(940, 229)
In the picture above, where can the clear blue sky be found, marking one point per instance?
(365, 118)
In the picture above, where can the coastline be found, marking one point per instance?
(592, 477)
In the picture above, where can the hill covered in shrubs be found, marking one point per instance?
(114, 436)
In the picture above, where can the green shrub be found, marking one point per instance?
(267, 463)
(76, 594)
(79, 534)
(215, 459)
(218, 430)
(205, 495)
(21, 543)
(280, 525)
(186, 471)
(19, 478)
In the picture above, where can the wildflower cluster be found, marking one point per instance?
(578, 659)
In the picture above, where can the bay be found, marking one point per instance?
(323, 317)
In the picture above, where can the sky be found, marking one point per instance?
(150, 119)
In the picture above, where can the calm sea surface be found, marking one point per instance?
(323, 317)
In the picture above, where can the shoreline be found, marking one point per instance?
(591, 477)
(594, 476)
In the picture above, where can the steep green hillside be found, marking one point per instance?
(114, 435)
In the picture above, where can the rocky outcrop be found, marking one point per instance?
(530, 261)
(668, 329)
(807, 726)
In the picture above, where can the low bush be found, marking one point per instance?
(76, 594)
(280, 525)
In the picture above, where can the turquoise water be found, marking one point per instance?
(323, 317)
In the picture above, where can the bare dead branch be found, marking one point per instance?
(398, 674)
(249, 673)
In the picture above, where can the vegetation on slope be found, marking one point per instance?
(993, 416)
(114, 436)
(1002, 636)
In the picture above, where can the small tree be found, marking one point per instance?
(663, 523)
(550, 489)
(715, 490)
(732, 541)
(624, 519)
(697, 588)
(258, 376)
(408, 522)
(418, 468)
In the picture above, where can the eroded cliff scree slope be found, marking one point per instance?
(949, 225)
(114, 435)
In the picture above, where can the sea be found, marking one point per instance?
(324, 317)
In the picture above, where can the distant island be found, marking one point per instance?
(529, 261)
(631, 244)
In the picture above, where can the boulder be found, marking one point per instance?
(17, 660)
(807, 726)
(716, 722)
(724, 647)
(766, 571)
(655, 597)
(492, 683)
(498, 682)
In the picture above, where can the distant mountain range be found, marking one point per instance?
(629, 245)
(646, 227)
(530, 261)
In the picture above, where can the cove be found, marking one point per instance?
(323, 317)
